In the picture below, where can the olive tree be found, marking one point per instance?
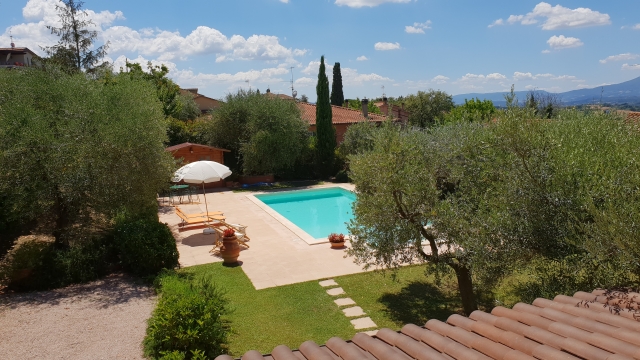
(486, 199)
(74, 152)
(267, 134)
(427, 108)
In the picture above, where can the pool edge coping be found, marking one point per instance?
(303, 235)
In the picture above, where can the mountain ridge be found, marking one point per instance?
(625, 92)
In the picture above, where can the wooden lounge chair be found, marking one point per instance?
(241, 237)
(198, 219)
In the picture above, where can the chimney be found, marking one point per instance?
(365, 108)
(384, 100)
(268, 90)
(402, 107)
(12, 44)
(346, 103)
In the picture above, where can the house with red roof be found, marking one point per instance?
(343, 117)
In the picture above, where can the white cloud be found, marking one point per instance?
(39, 14)
(418, 28)
(496, 23)
(562, 42)
(495, 76)
(165, 45)
(440, 79)
(386, 46)
(559, 17)
(367, 3)
(362, 58)
(547, 75)
(517, 76)
(565, 77)
(621, 57)
(284, 1)
(201, 41)
(546, 51)
(630, 66)
(305, 81)
(349, 76)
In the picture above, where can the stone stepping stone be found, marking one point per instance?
(363, 323)
(344, 302)
(353, 311)
(327, 283)
(371, 333)
(335, 291)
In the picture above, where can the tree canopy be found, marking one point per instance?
(74, 50)
(266, 134)
(485, 199)
(326, 135)
(75, 152)
(427, 108)
(337, 96)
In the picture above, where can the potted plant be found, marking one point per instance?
(336, 240)
(230, 249)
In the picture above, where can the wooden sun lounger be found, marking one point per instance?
(194, 219)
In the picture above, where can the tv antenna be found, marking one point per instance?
(383, 94)
(294, 93)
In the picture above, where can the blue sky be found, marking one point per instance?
(404, 45)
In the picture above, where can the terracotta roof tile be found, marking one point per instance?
(341, 115)
(564, 328)
(187, 144)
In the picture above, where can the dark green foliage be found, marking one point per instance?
(265, 134)
(337, 96)
(145, 246)
(326, 135)
(358, 139)
(356, 104)
(167, 91)
(342, 176)
(428, 108)
(74, 151)
(74, 49)
(473, 110)
(561, 193)
(179, 131)
(50, 267)
(189, 321)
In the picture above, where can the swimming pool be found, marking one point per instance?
(318, 212)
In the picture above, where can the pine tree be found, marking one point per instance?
(74, 49)
(337, 96)
(326, 137)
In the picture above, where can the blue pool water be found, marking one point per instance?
(318, 212)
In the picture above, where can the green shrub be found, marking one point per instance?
(85, 260)
(27, 255)
(189, 321)
(145, 246)
(342, 176)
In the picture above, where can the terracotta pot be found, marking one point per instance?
(337, 245)
(230, 250)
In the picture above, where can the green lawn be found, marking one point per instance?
(295, 313)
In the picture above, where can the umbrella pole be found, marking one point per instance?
(204, 195)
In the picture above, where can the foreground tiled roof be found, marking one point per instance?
(340, 115)
(578, 327)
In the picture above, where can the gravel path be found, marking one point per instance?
(105, 319)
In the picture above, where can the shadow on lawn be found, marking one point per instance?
(418, 302)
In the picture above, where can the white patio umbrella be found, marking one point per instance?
(202, 172)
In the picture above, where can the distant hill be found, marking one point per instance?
(626, 92)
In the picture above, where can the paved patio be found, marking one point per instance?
(277, 255)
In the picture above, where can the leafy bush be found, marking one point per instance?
(28, 253)
(145, 246)
(342, 176)
(189, 321)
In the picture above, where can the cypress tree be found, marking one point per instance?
(337, 96)
(326, 137)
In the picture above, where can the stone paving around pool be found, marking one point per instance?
(277, 256)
